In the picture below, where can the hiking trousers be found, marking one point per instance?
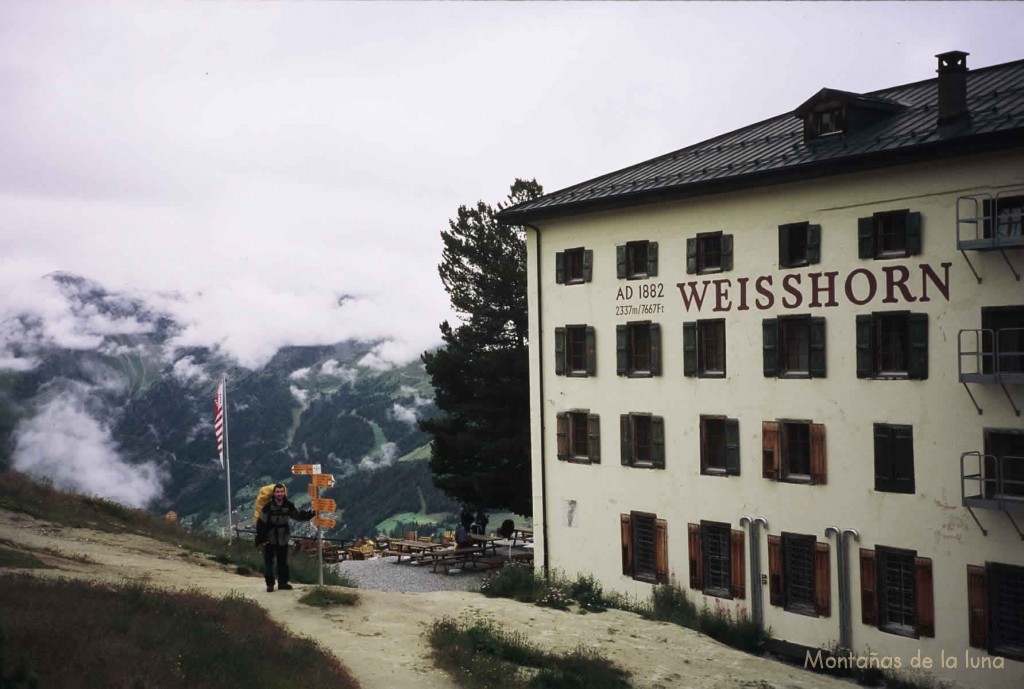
(270, 552)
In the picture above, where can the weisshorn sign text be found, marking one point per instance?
(890, 285)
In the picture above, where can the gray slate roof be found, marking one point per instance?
(774, 151)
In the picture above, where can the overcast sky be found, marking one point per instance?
(264, 159)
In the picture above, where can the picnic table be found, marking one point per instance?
(413, 549)
(522, 533)
(485, 542)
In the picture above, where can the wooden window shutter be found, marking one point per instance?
(626, 439)
(913, 234)
(732, 446)
(865, 346)
(770, 346)
(814, 243)
(770, 449)
(866, 237)
(661, 551)
(559, 351)
(883, 458)
(977, 606)
(620, 350)
(691, 255)
(560, 267)
(696, 560)
(917, 364)
(652, 259)
(868, 588)
(925, 596)
(620, 261)
(690, 349)
(594, 438)
(658, 442)
(591, 344)
(903, 458)
(562, 435)
(818, 365)
(655, 330)
(627, 544)
(819, 473)
(726, 252)
(784, 258)
(822, 580)
(737, 569)
(776, 594)
(588, 265)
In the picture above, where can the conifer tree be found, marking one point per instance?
(480, 453)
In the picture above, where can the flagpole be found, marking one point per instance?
(227, 454)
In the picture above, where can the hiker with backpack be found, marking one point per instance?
(272, 534)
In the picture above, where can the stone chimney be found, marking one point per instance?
(953, 88)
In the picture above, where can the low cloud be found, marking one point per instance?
(407, 413)
(384, 457)
(299, 374)
(335, 370)
(301, 396)
(187, 370)
(67, 446)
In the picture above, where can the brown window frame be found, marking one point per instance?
(819, 603)
(879, 592)
(568, 361)
(994, 612)
(719, 446)
(732, 562)
(642, 440)
(774, 460)
(574, 266)
(578, 437)
(654, 566)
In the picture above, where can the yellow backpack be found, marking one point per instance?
(263, 497)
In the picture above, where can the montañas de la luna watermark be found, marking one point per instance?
(824, 660)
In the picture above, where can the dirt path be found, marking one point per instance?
(381, 639)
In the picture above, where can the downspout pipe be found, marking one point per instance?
(845, 622)
(756, 591)
(540, 406)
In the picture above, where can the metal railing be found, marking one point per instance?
(1001, 224)
(986, 352)
(995, 482)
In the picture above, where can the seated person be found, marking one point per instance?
(462, 539)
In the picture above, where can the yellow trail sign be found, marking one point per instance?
(323, 480)
(324, 521)
(324, 505)
(303, 469)
(311, 489)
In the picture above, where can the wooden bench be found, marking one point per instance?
(448, 558)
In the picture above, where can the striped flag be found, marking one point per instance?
(218, 421)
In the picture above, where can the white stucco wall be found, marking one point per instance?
(945, 422)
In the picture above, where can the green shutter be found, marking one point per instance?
(658, 442)
(913, 234)
(817, 367)
(690, 348)
(655, 349)
(591, 346)
(560, 267)
(866, 237)
(588, 265)
(620, 261)
(594, 438)
(883, 458)
(903, 458)
(770, 346)
(865, 346)
(625, 439)
(732, 446)
(691, 255)
(620, 350)
(652, 259)
(559, 351)
(726, 252)
(814, 244)
(917, 366)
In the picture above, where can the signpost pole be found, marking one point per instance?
(319, 547)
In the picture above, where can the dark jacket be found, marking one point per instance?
(273, 526)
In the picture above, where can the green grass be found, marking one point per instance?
(323, 597)
(141, 637)
(478, 654)
(19, 559)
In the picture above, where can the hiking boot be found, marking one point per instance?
(285, 587)
(270, 588)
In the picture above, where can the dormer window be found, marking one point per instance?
(829, 121)
(830, 112)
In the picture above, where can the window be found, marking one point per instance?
(709, 252)
(638, 349)
(892, 345)
(891, 234)
(1003, 339)
(716, 560)
(574, 266)
(894, 458)
(644, 547)
(704, 348)
(579, 436)
(1004, 462)
(793, 451)
(575, 351)
(995, 599)
(1006, 214)
(896, 591)
(799, 578)
(830, 120)
(799, 244)
(719, 446)
(642, 440)
(793, 347)
(636, 260)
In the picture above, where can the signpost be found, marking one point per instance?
(320, 505)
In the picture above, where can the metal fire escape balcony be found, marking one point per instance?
(992, 483)
(991, 357)
(990, 223)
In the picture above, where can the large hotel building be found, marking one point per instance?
(785, 368)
